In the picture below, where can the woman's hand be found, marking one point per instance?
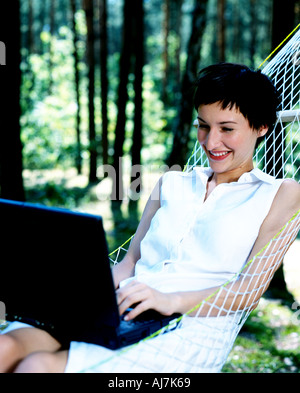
(145, 298)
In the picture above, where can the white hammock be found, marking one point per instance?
(202, 343)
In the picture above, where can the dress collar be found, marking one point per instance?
(256, 175)
(247, 177)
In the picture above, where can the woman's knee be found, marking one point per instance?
(10, 353)
(36, 363)
(43, 362)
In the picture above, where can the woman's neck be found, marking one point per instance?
(229, 176)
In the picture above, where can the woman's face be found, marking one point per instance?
(227, 139)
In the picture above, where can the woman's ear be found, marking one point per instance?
(262, 131)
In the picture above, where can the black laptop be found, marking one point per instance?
(55, 275)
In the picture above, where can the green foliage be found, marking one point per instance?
(48, 121)
(268, 343)
(157, 120)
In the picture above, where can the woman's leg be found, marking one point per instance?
(43, 362)
(18, 344)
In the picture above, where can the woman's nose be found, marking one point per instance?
(213, 139)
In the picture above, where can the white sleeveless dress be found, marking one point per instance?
(191, 244)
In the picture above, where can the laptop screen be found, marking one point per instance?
(54, 266)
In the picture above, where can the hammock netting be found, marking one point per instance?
(203, 338)
(200, 340)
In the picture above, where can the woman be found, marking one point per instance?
(197, 230)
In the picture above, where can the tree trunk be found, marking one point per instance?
(42, 19)
(177, 28)
(253, 30)
(237, 28)
(186, 109)
(30, 33)
(166, 31)
(52, 31)
(78, 160)
(11, 181)
(125, 61)
(221, 29)
(136, 147)
(283, 20)
(89, 11)
(104, 79)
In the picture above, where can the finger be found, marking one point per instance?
(133, 299)
(130, 296)
(123, 292)
(137, 310)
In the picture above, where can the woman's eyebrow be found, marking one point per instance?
(222, 122)
(199, 118)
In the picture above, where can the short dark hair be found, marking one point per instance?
(250, 91)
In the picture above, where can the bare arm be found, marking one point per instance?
(263, 261)
(125, 268)
(248, 287)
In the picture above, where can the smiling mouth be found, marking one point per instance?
(219, 156)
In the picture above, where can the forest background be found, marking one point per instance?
(97, 99)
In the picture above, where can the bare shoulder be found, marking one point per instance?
(289, 193)
(285, 206)
(291, 184)
(286, 203)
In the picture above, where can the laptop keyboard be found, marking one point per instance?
(151, 319)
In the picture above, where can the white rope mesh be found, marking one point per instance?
(205, 335)
(280, 148)
(202, 342)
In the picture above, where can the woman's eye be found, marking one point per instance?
(226, 129)
(203, 126)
